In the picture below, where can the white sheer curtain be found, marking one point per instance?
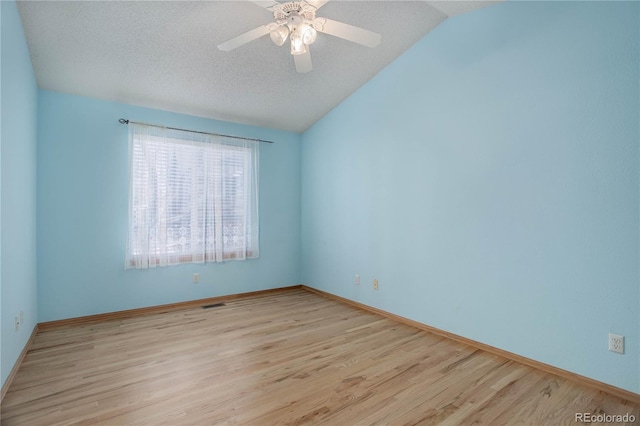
(193, 198)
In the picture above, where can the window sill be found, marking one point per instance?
(195, 258)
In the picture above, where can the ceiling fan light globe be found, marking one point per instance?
(297, 46)
(279, 35)
(309, 35)
(298, 50)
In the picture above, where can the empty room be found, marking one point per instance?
(320, 212)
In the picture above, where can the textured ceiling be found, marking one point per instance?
(163, 54)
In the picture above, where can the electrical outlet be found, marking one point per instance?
(196, 278)
(17, 322)
(375, 284)
(616, 343)
(356, 279)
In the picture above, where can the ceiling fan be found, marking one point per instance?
(298, 21)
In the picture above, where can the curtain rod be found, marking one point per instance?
(125, 121)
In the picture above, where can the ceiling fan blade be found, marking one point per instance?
(244, 38)
(265, 3)
(317, 3)
(303, 62)
(347, 32)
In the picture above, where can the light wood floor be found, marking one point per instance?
(286, 358)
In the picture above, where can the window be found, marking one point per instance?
(193, 198)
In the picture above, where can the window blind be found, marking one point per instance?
(193, 198)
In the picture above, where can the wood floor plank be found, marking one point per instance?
(284, 358)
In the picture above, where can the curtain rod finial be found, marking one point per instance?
(123, 121)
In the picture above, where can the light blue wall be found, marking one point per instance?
(489, 179)
(82, 213)
(18, 188)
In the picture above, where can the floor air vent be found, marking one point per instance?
(215, 305)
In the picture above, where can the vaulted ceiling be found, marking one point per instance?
(163, 54)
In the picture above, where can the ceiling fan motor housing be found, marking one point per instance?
(290, 12)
